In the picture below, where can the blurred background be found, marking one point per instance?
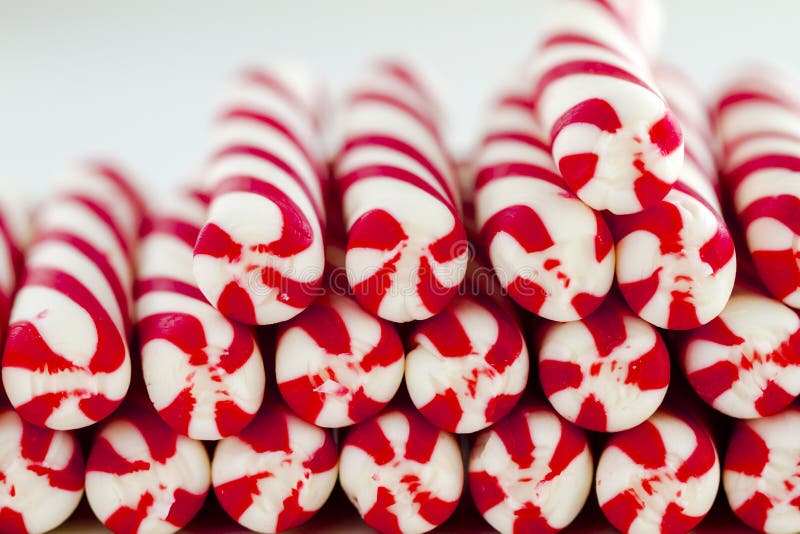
(138, 81)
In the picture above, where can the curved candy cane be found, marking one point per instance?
(41, 476)
(401, 473)
(746, 362)
(276, 473)
(406, 248)
(468, 365)
(142, 476)
(758, 125)
(66, 363)
(608, 372)
(203, 372)
(761, 474)
(336, 364)
(260, 256)
(612, 134)
(661, 476)
(676, 263)
(552, 253)
(14, 237)
(531, 472)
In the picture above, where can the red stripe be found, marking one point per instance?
(385, 171)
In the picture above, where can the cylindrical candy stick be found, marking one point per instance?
(608, 372)
(203, 372)
(761, 474)
(676, 263)
(276, 473)
(143, 477)
(531, 472)
(336, 364)
(661, 476)
(746, 362)
(14, 237)
(401, 473)
(612, 135)
(758, 125)
(66, 363)
(468, 365)
(552, 253)
(406, 248)
(41, 476)
(260, 256)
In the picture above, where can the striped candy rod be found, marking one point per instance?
(530, 472)
(612, 135)
(761, 473)
(660, 476)
(607, 372)
(142, 476)
(757, 121)
(406, 249)
(259, 257)
(467, 366)
(553, 254)
(66, 363)
(41, 475)
(676, 263)
(276, 473)
(15, 234)
(204, 373)
(400, 472)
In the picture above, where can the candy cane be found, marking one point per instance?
(41, 476)
(608, 372)
(142, 476)
(66, 363)
(676, 263)
(406, 249)
(276, 473)
(531, 472)
(552, 254)
(260, 255)
(661, 476)
(14, 237)
(612, 135)
(758, 125)
(204, 373)
(746, 362)
(467, 366)
(761, 474)
(401, 473)
(336, 364)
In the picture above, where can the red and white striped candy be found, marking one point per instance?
(276, 473)
(761, 474)
(612, 135)
(406, 248)
(336, 364)
(66, 363)
(204, 373)
(401, 473)
(746, 362)
(661, 476)
(676, 263)
(41, 476)
(531, 472)
(260, 255)
(553, 254)
(143, 477)
(608, 372)
(14, 237)
(758, 124)
(468, 365)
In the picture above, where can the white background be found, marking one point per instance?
(138, 80)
